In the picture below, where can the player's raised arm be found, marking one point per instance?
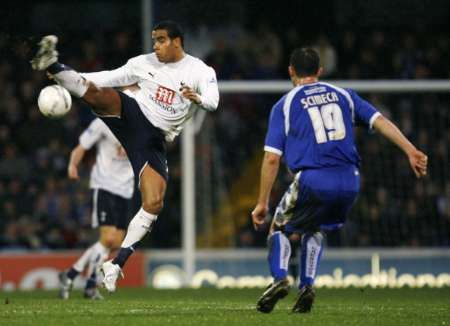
(417, 159)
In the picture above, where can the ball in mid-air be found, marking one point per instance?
(54, 101)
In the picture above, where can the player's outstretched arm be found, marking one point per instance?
(112, 78)
(417, 159)
(269, 171)
(76, 156)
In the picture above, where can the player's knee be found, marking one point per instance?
(108, 239)
(107, 242)
(153, 205)
(102, 101)
(93, 95)
(316, 235)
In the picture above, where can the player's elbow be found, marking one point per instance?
(78, 151)
(212, 105)
(272, 162)
(215, 104)
(379, 122)
(271, 159)
(213, 108)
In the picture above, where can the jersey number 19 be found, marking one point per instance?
(327, 122)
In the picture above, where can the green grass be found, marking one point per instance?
(227, 307)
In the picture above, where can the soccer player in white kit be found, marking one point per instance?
(172, 86)
(112, 183)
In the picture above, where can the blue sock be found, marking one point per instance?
(92, 281)
(57, 67)
(72, 273)
(122, 256)
(279, 254)
(312, 245)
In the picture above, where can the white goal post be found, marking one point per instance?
(378, 86)
(270, 86)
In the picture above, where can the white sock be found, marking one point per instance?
(69, 79)
(138, 227)
(99, 254)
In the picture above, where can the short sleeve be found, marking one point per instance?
(365, 113)
(276, 133)
(92, 134)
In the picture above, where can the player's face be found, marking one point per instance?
(165, 48)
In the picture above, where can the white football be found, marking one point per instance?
(54, 101)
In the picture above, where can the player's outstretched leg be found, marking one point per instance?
(47, 59)
(103, 100)
(279, 254)
(47, 54)
(311, 252)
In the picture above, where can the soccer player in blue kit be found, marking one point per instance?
(311, 126)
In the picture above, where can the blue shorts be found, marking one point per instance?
(143, 142)
(318, 199)
(110, 209)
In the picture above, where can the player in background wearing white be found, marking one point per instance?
(172, 84)
(312, 128)
(112, 183)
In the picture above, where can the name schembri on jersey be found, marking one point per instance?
(314, 100)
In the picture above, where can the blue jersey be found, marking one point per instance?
(312, 126)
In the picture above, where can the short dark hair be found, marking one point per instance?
(173, 29)
(306, 61)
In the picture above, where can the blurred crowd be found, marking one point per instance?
(41, 209)
(237, 53)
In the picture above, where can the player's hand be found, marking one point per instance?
(190, 94)
(259, 215)
(72, 172)
(418, 162)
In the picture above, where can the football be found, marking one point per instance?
(54, 101)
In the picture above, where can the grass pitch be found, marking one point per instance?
(227, 307)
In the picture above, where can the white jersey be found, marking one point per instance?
(112, 170)
(159, 96)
